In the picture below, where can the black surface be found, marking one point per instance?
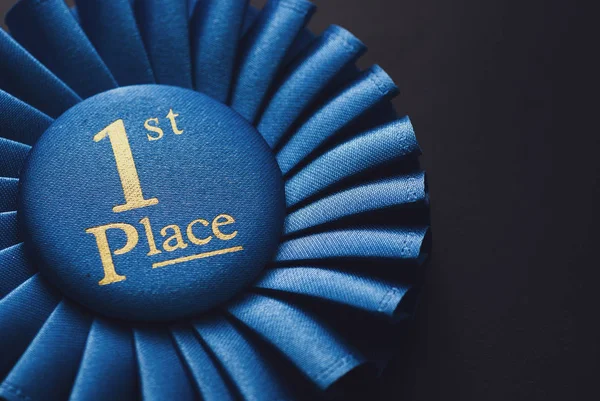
(496, 90)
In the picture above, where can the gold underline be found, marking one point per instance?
(198, 256)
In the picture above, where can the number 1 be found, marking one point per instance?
(130, 181)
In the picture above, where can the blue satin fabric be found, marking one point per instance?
(21, 122)
(164, 28)
(162, 375)
(93, 17)
(13, 157)
(75, 14)
(373, 87)
(400, 243)
(263, 49)
(314, 349)
(19, 324)
(254, 378)
(109, 354)
(24, 77)
(9, 188)
(215, 29)
(336, 285)
(48, 368)
(394, 141)
(252, 14)
(191, 4)
(15, 268)
(203, 367)
(370, 197)
(8, 229)
(49, 32)
(328, 55)
(299, 46)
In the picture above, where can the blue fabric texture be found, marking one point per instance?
(123, 30)
(9, 188)
(18, 268)
(203, 367)
(8, 229)
(309, 344)
(27, 79)
(48, 30)
(373, 87)
(225, 109)
(357, 290)
(165, 31)
(328, 55)
(162, 375)
(380, 195)
(106, 339)
(19, 324)
(49, 366)
(13, 157)
(216, 26)
(20, 121)
(262, 50)
(251, 374)
(391, 142)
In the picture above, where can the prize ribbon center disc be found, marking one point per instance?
(151, 203)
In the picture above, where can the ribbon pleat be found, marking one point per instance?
(253, 376)
(380, 114)
(263, 49)
(22, 314)
(59, 343)
(15, 269)
(379, 195)
(75, 14)
(191, 5)
(9, 188)
(8, 229)
(374, 334)
(327, 56)
(48, 30)
(401, 244)
(19, 121)
(108, 368)
(381, 145)
(123, 31)
(164, 28)
(209, 380)
(299, 336)
(13, 156)
(26, 78)
(299, 46)
(372, 88)
(252, 14)
(216, 27)
(161, 370)
(357, 290)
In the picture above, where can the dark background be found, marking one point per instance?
(499, 93)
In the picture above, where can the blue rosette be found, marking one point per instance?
(198, 200)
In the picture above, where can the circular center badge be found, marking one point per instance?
(151, 203)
